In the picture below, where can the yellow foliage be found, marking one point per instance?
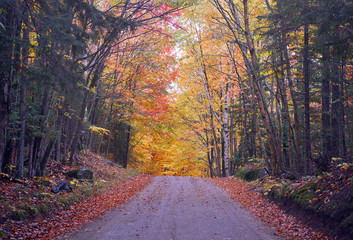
(99, 130)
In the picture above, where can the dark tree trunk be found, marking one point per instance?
(7, 163)
(30, 159)
(78, 131)
(60, 134)
(307, 96)
(45, 159)
(6, 52)
(121, 144)
(343, 113)
(37, 145)
(336, 110)
(209, 155)
(23, 101)
(325, 160)
(127, 146)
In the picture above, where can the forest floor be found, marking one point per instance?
(323, 201)
(268, 211)
(29, 210)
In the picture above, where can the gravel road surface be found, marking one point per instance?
(177, 208)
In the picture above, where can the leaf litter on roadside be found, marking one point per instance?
(284, 224)
(69, 219)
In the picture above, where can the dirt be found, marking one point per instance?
(177, 208)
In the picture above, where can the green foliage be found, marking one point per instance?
(250, 172)
(329, 194)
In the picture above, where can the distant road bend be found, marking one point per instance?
(178, 208)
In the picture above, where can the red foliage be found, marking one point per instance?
(268, 212)
(69, 219)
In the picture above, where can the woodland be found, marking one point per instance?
(257, 89)
(169, 87)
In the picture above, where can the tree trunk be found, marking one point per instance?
(307, 95)
(255, 73)
(45, 159)
(38, 147)
(296, 125)
(343, 115)
(60, 134)
(6, 53)
(209, 155)
(127, 146)
(77, 134)
(336, 128)
(7, 163)
(325, 116)
(23, 95)
(225, 126)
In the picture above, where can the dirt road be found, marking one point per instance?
(177, 208)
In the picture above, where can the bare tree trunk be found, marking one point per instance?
(77, 134)
(307, 95)
(325, 116)
(23, 102)
(37, 144)
(209, 156)
(342, 117)
(296, 143)
(336, 110)
(257, 125)
(45, 159)
(59, 138)
(255, 73)
(30, 159)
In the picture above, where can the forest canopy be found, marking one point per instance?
(177, 87)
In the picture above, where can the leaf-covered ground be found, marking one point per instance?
(70, 219)
(328, 196)
(29, 210)
(284, 224)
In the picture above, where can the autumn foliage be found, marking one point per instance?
(29, 210)
(284, 224)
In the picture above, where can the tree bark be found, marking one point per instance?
(336, 127)
(307, 95)
(255, 73)
(6, 64)
(37, 144)
(93, 83)
(23, 95)
(325, 115)
(45, 159)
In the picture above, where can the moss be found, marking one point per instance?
(250, 175)
(240, 173)
(33, 211)
(44, 207)
(73, 173)
(284, 191)
(19, 214)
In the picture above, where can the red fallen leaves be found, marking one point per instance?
(75, 215)
(268, 212)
